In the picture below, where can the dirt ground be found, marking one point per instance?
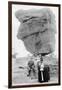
(19, 75)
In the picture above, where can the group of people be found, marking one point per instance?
(43, 70)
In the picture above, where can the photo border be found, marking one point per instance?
(10, 3)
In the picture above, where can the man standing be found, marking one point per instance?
(31, 68)
(40, 66)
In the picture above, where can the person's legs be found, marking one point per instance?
(34, 72)
(42, 76)
(29, 72)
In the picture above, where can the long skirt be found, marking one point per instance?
(44, 76)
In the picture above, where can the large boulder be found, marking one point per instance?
(37, 30)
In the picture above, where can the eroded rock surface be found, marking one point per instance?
(37, 30)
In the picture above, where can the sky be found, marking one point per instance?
(18, 45)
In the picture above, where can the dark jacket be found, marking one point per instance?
(46, 74)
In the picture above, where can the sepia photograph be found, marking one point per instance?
(34, 44)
